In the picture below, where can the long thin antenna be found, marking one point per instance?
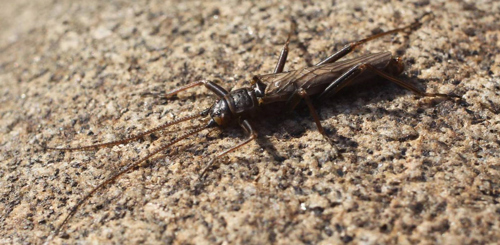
(115, 176)
(123, 141)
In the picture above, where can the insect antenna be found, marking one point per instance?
(126, 140)
(133, 165)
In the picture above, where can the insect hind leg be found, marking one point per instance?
(408, 85)
(350, 76)
(351, 46)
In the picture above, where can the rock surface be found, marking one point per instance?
(412, 169)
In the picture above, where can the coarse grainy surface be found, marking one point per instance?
(412, 170)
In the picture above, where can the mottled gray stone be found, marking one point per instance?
(413, 169)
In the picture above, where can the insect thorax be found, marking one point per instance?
(242, 102)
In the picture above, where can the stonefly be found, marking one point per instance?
(317, 82)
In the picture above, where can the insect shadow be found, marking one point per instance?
(240, 106)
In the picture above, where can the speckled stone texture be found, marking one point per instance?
(413, 169)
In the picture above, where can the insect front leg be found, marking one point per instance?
(245, 124)
(216, 89)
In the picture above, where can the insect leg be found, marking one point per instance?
(284, 51)
(342, 81)
(351, 46)
(407, 85)
(351, 74)
(245, 124)
(216, 89)
(282, 59)
(302, 94)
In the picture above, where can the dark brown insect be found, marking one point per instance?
(324, 79)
